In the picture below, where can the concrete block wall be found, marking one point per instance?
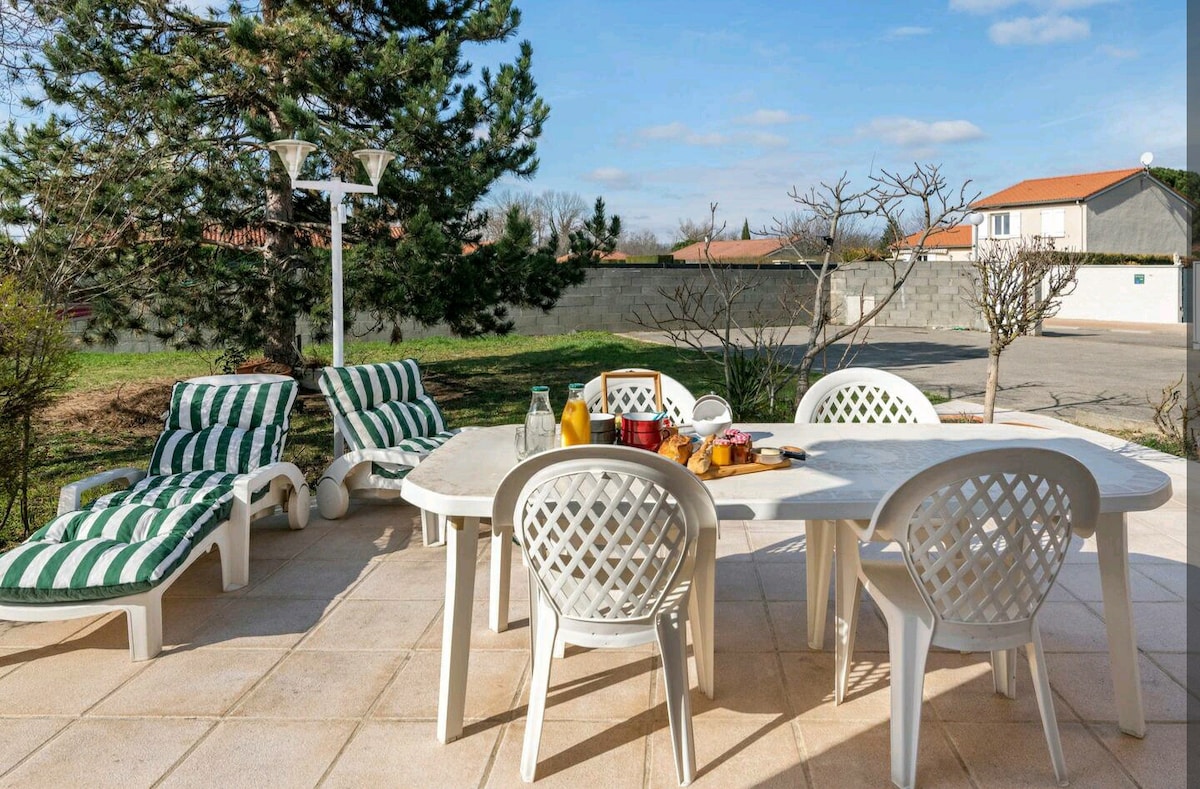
(931, 297)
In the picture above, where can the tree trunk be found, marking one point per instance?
(993, 383)
(279, 332)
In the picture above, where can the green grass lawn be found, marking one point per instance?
(116, 401)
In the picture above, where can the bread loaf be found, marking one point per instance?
(677, 448)
(701, 459)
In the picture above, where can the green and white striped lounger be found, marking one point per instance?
(390, 425)
(214, 468)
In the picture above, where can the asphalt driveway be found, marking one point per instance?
(1096, 374)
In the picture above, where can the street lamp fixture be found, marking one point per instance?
(293, 153)
(975, 219)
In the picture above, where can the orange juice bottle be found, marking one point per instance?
(576, 422)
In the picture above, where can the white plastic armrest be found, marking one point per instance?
(69, 496)
(340, 467)
(246, 484)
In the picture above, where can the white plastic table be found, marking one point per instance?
(850, 468)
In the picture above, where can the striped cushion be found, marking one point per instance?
(230, 428)
(172, 490)
(392, 471)
(382, 405)
(108, 552)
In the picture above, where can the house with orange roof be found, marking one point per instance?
(1117, 211)
(756, 251)
(944, 243)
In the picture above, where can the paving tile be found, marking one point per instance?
(116, 752)
(277, 541)
(575, 754)
(1085, 682)
(262, 753)
(494, 687)
(1014, 754)
(264, 623)
(515, 638)
(325, 684)
(737, 581)
(776, 546)
(790, 623)
(857, 753)
(41, 634)
(374, 624)
(600, 684)
(1175, 577)
(1159, 761)
(320, 580)
(19, 737)
(1175, 664)
(65, 682)
(191, 683)
(402, 753)
(366, 543)
(784, 581)
(960, 689)
(742, 627)
(748, 686)
(732, 544)
(732, 754)
(1083, 582)
(404, 581)
(1071, 627)
(809, 677)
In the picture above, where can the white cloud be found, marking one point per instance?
(1045, 29)
(767, 139)
(1045, 6)
(612, 178)
(912, 133)
(908, 31)
(667, 131)
(981, 6)
(768, 118)
(1117, 53)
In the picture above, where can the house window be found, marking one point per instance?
(1054, 222)
(1000, 226)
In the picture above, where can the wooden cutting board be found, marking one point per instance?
(720, 472)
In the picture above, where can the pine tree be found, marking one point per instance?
(746, 230)
(147, 181)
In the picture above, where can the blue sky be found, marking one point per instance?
(663, 106)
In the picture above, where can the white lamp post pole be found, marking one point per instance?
(975, 219)
(293, 153)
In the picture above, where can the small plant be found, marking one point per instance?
(232, 356)
(1175, 416)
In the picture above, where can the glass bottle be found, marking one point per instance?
(576, 422)
(539, 422)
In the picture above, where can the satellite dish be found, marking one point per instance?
(1147, 157)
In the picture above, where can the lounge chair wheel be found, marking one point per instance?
(332, 499)
(299, 504)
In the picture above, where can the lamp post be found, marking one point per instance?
(293, 154)
(975, 219)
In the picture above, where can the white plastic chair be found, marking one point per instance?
(609, 537)
(635, 394)
(983, 537)
(854, 394)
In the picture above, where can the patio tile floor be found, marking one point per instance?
(324, 672)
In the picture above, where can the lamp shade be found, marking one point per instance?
(292, 153)
(374, 161)
(975, 218)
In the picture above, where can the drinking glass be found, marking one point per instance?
(519, 443)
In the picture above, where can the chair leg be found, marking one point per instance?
(145, 627)
(539, 687)
(1004, 672)
(1045, 701)
(908, 646)
(236, 573)
(847, 599)
(671, 630)
(818, 564)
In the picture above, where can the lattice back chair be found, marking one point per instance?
(983, 538)
(854, 394)
(633, 390)
(609, 537)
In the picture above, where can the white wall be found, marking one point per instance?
(1109, 293)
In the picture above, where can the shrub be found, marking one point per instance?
(35, 365)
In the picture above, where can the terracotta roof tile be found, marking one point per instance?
(957, 236)
(1060, 189)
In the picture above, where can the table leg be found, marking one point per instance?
(462, 543)
(1112, 548)
(500, 579)
(701, 608)
(847, 598)
(818, 562)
